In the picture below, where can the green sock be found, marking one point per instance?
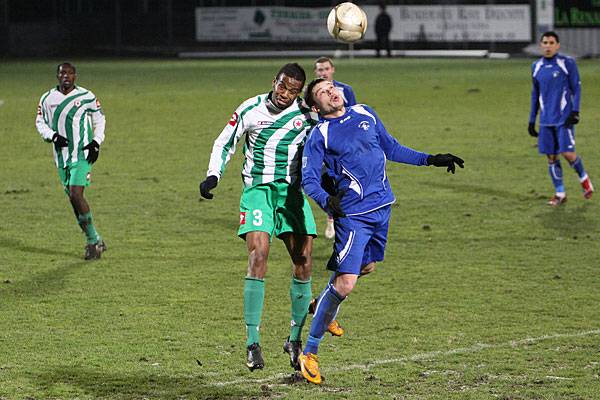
(301, 295)
(254, 296)
(87, 226)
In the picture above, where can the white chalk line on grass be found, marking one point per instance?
(416, 357)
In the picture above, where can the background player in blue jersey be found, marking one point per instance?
(556, 93)
(354, 145)
(324, 69)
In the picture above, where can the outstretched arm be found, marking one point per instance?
(222, 150)
(394, 151)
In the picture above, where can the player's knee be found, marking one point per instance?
(257, 263)
(258, 257)
(302, 271)
(367, 269)
(570, 156)
(75, 196)
(302, 261)
(345, 283)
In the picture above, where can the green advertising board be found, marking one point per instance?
(577, 13)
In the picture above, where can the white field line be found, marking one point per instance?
(417, 357)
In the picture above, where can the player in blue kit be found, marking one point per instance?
(355, 146)
(556, 93)
(324, 68)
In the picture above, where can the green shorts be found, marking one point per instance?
(76, 174)
(275, 208)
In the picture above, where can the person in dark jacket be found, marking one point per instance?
(383, 27)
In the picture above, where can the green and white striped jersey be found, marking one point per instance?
(272, 145)
(77, 116)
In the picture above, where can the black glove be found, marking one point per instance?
(60, 141)
(327, 183)
(531, 130)
(207, 185)
(334, 204)
(573, 118)
(445, 160)
(93, 149)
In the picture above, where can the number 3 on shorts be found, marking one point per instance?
(257, 221)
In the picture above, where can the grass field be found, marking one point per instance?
(486, 292)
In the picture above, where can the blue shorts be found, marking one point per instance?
(556, 139)
(359, 240)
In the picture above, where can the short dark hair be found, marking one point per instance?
(293, 70)
(323, 60)
(308, 94)
(65, 63)
(551, 34)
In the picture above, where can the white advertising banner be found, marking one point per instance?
(261, 23)
(473, 23)
(436, 23)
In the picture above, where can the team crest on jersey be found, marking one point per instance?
(298, 123)
(77, 103)
(243, 218)
(364, 125)
(555, 74)
(233, 119)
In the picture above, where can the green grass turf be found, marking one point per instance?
(485, 293)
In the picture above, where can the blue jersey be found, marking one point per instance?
(556, 90)
(354, 149)
(347, 93)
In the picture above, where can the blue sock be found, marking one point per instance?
(556, 173)
(578, 167)
(327, 308)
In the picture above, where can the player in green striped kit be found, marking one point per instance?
(70, 117)
(272, 204)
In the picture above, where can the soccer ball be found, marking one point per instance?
(347, 23)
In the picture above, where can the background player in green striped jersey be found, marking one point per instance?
(70, 117)
(272, 203)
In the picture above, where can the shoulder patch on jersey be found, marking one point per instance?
(536, 67)
(324, 129)
(362, 110)
(234, 119)
(561, 64)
